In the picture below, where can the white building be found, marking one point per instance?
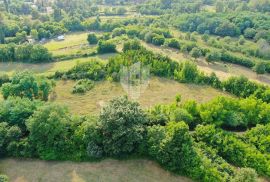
(61, 37)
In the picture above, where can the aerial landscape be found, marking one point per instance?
(134, 90)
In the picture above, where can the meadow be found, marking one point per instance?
(107, 170)
(198, 119)
(159, 91)
(48, 68)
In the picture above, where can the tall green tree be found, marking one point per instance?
(51, 132)
(25, 84)
(122, 127)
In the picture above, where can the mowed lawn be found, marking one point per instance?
(104, 171)
(159, 91)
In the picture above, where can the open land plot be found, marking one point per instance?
(74, 43)
(48, 68)
(73, 39)
(106, 170)
(159, 91)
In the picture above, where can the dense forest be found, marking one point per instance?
(226, 138)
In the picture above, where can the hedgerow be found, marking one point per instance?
(233, 149)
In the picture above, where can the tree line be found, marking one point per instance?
(48, 131)
(24, 53)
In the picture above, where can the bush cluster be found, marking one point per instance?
(25, 84)
(93, 70)
(233, 149)
(82, 86)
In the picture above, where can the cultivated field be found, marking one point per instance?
(103, 171)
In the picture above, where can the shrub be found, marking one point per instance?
(82, 86)
(230, 58)
(86, 137)
(149, 37)
(196, 53)
(259, 136)
(157, 116)
(188, 72)
(249, 33)
(246, 175)
(4, 79)
(173, 43)
(259, 68)
(241, 40)
(181, 115)
(118, 32)
(158, 40)
(132, 45)
(205, 37)
(133, 32)
(213, 56)
(106, 47)
(94, 70)
(40, 54)
(3, 178)
(240, 86)
(92, 39)
(212, 166)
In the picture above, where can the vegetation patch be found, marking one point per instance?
(82, 86)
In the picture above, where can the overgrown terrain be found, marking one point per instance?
(105, 89)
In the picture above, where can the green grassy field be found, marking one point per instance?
(104, 171)
(74, 43)
(73, 39)
(158, 91)
(47, 68)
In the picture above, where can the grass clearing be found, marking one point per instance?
(74, 43)
(73, 39)
(47, 68)
(159, 91)
(103, 171)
